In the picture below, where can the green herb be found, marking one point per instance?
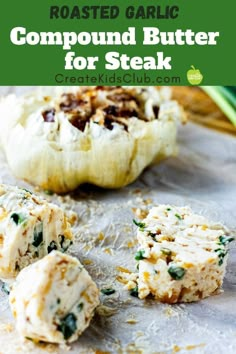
(52, 246)
(224, 240)
(38, 235)
(68, 325)
(177, 273)
(108, 291)
(166, 251)
(48, 192)
(5, 288)
(178, 216)
(134, 291)
(80, 307)
(26, 190)
(153, 235)
(139, 255)
(28, 338)
(18, 218)
(65, 243)
(168, 209)
(141, 225)
(58, 301)
(221, 255)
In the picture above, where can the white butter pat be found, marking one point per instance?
(30, 228)
(53, 300)
(182, 255)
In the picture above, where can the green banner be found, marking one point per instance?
(164, 42)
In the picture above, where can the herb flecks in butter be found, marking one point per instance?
(52, 246)
(221, 253)
(26, 190)
(141, 225)
(224, 240)
(5, 288)
(80, 306)
(152, 235)
(176, 273)
(108, 291)
(139, 255)
(178, 217)
(18, 218)
(68, 325)
(38, 235)
(134, 291)
(64, 243)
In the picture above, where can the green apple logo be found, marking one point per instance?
(194, 76)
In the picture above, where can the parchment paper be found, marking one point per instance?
(202, 176)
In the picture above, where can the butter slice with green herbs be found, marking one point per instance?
(30, 228)
(182, 255)
(53, 300)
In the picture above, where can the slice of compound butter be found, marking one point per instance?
(53, 300)
(182, 255)
(30, 228)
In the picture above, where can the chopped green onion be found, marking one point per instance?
(134, 291)
(177, 273)
(68, 325)
(18, 218)
(5, 288)
(80, 306)
(65, 243)
(221, 254)
(26, 190)
(107, 291)
(38, 235)
(224, 240)
(153, 235)
(139, 255)
(178, 216)
(141, 225)
(52, 246)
